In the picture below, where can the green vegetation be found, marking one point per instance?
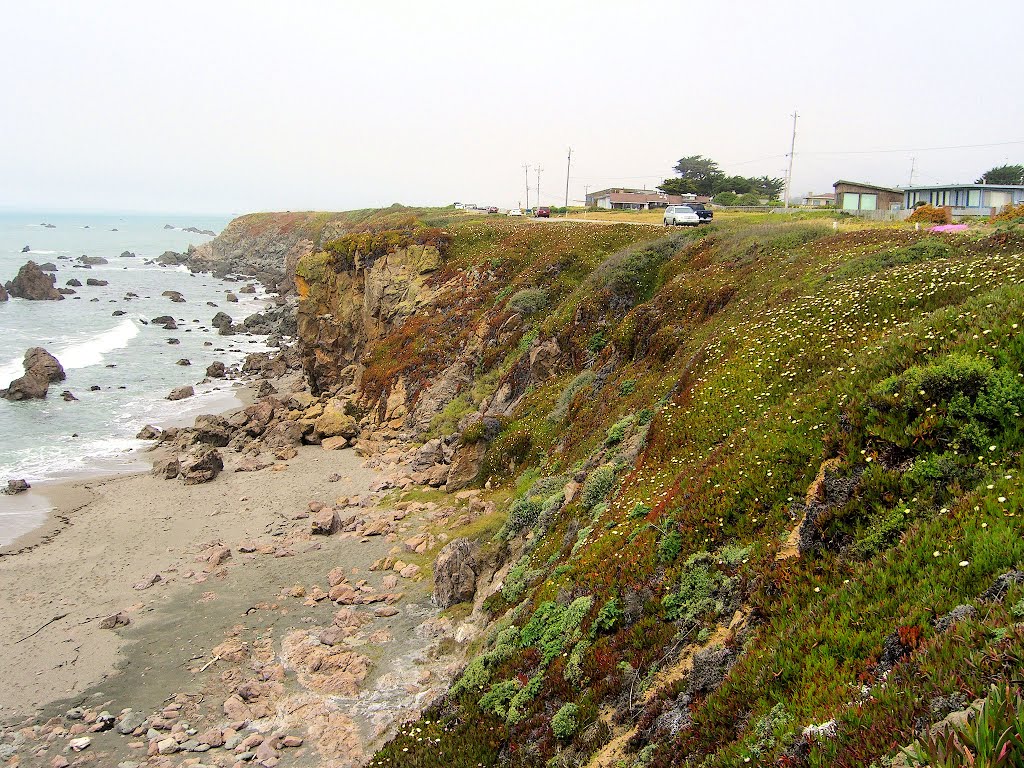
(857, 391)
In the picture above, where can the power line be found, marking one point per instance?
(526, 170)
(913, 149)
(568, 164)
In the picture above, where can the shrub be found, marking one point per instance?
(524, 514)
(1009, 213)
(931, 214)
(497, 699)
(956, 402)
(528, 301)
(597, 486)
(611, 614)
(565, 722)
(669, 546)
(585, 379)
(627, 387)
(701, 590)
(597, 341)
(618, 430)
(639, 511)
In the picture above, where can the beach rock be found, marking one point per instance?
(168, 468)
(3, 293)
(184, 361)
(334, 443)
(455, 573)
(148, 432)
(203, 468)
(33, 284)
(231, 298)
(77, 745)
(96, 283)
(68, 396)
(74, 282)
(180, 393)
(91, 260)
(147, 582)
(212, 430)
(41, 368)
(129, 722)
(119, 619)
(38, 359)
(117, 313)
(16, 486)
(127, 255)
(48, 267)
(334, 422)
(174, 296)
(26, 249)
(325, 522)
(217, 556)
(216, 370)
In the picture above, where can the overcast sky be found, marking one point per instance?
(227, 107)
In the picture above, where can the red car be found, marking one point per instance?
(543, 212)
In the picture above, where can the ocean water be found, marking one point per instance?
(131, 362)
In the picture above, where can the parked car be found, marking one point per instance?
(705, 214)
(681, 216)
(492, 209)
(543, 212)
(514, 212)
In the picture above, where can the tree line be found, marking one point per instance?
(699, 175)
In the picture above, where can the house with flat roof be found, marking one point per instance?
(854, 196)
(966, 199)
(638, 199)
(820, 200)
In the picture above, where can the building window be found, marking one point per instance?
(851, 201)
(974, 198)
(868, 202)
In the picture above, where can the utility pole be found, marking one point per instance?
(526, 171)
(789, 172)
(568, 163)
(913, 162)
(539, 169)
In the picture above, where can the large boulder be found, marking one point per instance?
(180, 393)
(41, 369)
(3, 293)
(222, 322)
(174, 296)
(33, 284)
(455, 573)
(466, 464)
(38, 359)
(334, 422)
(212, 430)
(202, 467)
(216, 370)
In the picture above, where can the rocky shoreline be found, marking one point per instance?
(282, 537)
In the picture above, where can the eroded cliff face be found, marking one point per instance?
(268, 245)
(343, 310)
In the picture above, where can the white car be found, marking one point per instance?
(514, 212)
(681, 216)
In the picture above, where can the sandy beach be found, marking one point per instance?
(107, 541)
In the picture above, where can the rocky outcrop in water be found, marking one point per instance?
(3, 293)
(41, 369)
(33, 284)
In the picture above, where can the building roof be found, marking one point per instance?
(643, 197)
(822, 196)
(610, 190)
(894, 190)
(965, 186)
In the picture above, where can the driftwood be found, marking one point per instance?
(55, 618)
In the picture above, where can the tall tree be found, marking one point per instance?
(769, 187)
(678, 187)
(1003, 174)
(702, 171)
